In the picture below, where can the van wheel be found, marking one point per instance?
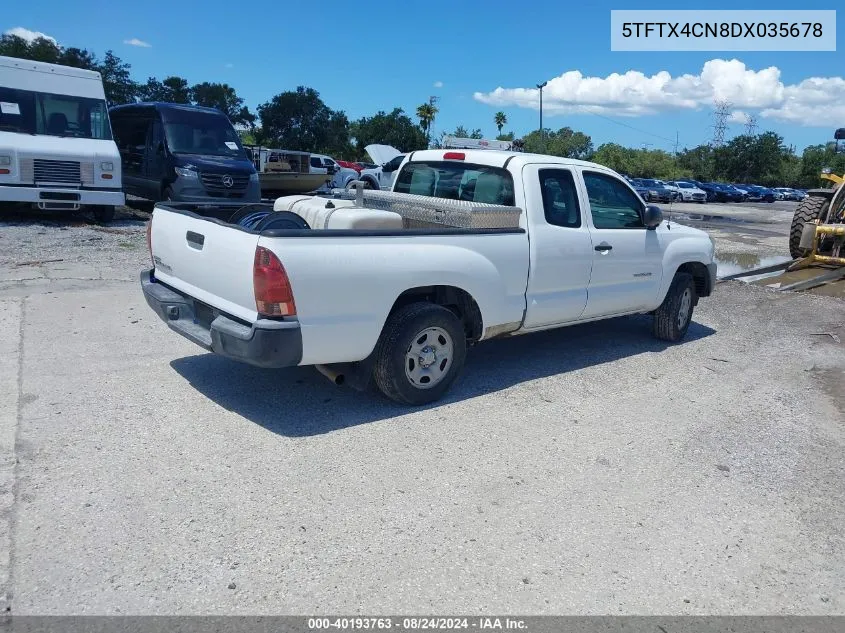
(421, 351)
(104, 214)
(672, 318)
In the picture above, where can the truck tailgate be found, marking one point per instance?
(206, 260)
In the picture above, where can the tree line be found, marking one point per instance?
(300, 120)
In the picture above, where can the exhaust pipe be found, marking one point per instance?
(335, 376)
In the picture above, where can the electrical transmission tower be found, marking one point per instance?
(720, 122)
(750, 125)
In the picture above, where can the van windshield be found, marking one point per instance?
(195, 132)
(30, 112)
(457, 181)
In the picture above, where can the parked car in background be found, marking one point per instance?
(727, 193)
(389, 159)
(687, 191)
(789, 194)
(750, 193)
(710, 190)
(364, 165)
(656, 191)
(56, 147)
(182, 153)
(756, 192)
(350, 165)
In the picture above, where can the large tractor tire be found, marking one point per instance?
(809, 210)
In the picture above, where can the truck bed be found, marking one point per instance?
(344, 281)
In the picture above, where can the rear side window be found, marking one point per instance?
(457, 181)
(560, 199)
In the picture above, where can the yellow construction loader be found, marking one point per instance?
(817, 233)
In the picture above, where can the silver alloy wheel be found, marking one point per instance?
(429, 357)
(684, 308)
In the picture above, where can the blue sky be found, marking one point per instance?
(365, 57)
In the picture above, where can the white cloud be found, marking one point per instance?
(438, 84)
(816, 101)
(29, 36)
(229, 65)
(738, 116)
(136, 42)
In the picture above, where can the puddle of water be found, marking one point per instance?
(733, 263)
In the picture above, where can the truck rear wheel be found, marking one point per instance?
(420, 353)
(672, 318)
(810, 209)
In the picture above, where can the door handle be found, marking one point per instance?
(195, 240)
(604, 247)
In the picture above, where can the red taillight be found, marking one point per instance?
(273, 294)
(4, 171)
(454, 156)
(106, 176)
(150, 241)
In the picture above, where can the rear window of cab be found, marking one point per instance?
(457, 181)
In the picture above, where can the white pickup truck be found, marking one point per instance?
(393, 287)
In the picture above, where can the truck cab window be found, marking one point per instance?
(456, 181)
(613, 204)
(560, 198)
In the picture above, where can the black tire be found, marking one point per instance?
(668, 324)
(370, 184)
(405, 328)
(104, 214)
(809, 210)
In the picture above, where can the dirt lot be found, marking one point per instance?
(590, 470)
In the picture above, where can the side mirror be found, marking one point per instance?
(160, 148)
(387, 168)
(652, 217)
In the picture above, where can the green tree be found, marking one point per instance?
(426, 113)
(14, 46)
(224, 98)
(394, 128)
(78, 58)
(565, 142)
(171, 90)
(117, 81)
(501, 120)
(299, 120)
(506, 137)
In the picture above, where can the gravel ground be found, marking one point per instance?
(590, 470)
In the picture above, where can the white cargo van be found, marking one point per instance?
(56, 147)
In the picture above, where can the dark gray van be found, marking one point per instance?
(182, 153)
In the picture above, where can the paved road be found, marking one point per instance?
(589, 470)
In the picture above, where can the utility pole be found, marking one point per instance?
(542, 135)
(750, 125)
(720, 116)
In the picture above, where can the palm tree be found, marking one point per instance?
(426, 113)
(501, 120)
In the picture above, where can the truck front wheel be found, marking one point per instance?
(420, 353)
(672, 318)
(104, 214)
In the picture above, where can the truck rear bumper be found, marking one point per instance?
(265, 343)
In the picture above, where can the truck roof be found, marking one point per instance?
(44, 67)
(499, 158)
(164, 105)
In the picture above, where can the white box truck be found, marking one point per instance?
(56, 146)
